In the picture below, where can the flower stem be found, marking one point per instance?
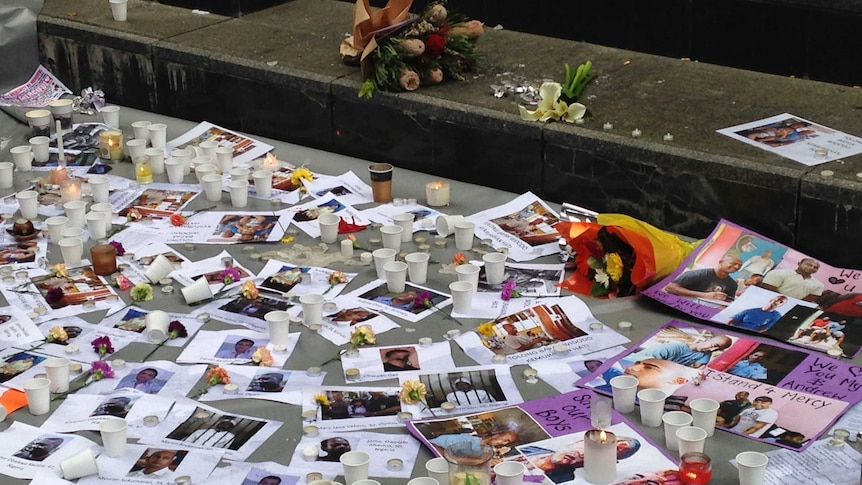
(157, 347)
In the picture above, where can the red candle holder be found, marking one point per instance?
(695, 469)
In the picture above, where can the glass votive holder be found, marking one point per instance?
(404, 416)
(398, 201)
(597, 327)
(314, 327)
(420, 239)
(151, 421)
(425, 342)
(310, 431)
(314, 371)
(41, 309)
(118, 364)
(448, 407)
(21, 276)
(227, 261)
(279, 349)
(351, 375)
(112, 299)
(451, 334)
(189, 246)
(560, 349)
(840, 436)
(440, 242)
(6, 270)
(394, 464)
(166, 281)
(167, 289)
(231, 389)
(624, 326)
(411, 201)
(695, 469)
(203, 317)
(9, 280)
(313, 476)
(309, 415)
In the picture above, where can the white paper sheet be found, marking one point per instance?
(250, 473)
(80, 412)
(220, 347)
(562, 374)
(371, 360)
(383, 447)
(229, 228)
(375, 296)
(171, 380)
(266, 383)
(37, 450)
(197, 464)
(245, 149)
(470, 389)
(305, 215)
(349, 188)
(819, 463)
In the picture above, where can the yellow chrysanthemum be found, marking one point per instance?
(321, 399)
(486, 329)
(249, 290)
(57, 334)
(413, 391)
(614, 266)
(363, 335)
(299, 175)
(59, 270)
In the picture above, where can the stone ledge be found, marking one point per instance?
(216, 69)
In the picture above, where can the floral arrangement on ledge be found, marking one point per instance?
(559, 102)
(400, 51)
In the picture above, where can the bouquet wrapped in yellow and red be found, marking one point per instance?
(619, 255)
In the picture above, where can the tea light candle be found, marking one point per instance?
(76, 368)
(596, 326)
(279, 349)
(366, 258)
(351, 374)
(8, 280)
(21, 275)
(404, 416)
(269, 163)
(826, 173)
(231, 388)
(167, 289)
(330, 306)
(398, 201)
(394, 464)
(437, 193)
(71, 349)
(313, 476)
(424, 248)
(189, 246)
(309, 415)
(118, 364)
(347, 248)
(600, 456)
(580, 121)
(420, 240)
(313, 371)
(834, 353)
(374, 241)
(315, 327)
(450, 334)
(183, 480)
(561, 349)
(70, 190)
(531, 376)
(111, 145)
(143, 172)
(203, 317)
(448, 407)
(112, 299)
(821, 153)
(310, 453)
(625, 326)
(411, 201)
(608, 126)
(151, 421)
(58, 175)
(425, 342)
(440, 242)
(500, 358)
(667, 137)
(839, 437)
(636, 133)
(310, 431)
(41, 309)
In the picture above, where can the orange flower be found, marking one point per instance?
(262, 356)
(249, 290)
(459, 259)
(177, 219)
(217, 375)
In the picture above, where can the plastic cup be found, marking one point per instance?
(651, 406)
(404, 220)
(212, 185)
(224, 159)
(22, 157)
(7, 175)
(239, 173)
(438, 469)
(28, 203)
(75, 210)
(111, 116)
(691, 439)
(329, 227)
(99, 185)
(201, 160)
(262, 183)
(510, 473)
(157, 323)
(238, 193)
(61, 110)
(462, 296)
(113, 433)
(57, 369)
(55, 225)
(468, 272)
(396, 276)
(752, 467)
(39, 145)
(174, 168)
(446, 224)
(38, 395)
(417, 267)
(279, 326)
(381, 257)
(185, 156)
(424, 481)
(156, 157)
(96, 225)
(464, 231)
(39, 121)
(119, 10)
(207, 148)
(495, 267)
(703, 413)
(158, 135)
(73, 251)
(197, 291)
(625, 389)
(204, 169)
(79, 465)
(107, 212)
(141, 130)
(673, 421)
(312, 308)
(136, 149)
(71, 232)
(381, 181)
(356, 464)
(159, 269)
(391, 235)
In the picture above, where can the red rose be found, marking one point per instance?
(434, 45)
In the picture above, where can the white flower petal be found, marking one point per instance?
(528, 115)
(575, 111)
(550, 94)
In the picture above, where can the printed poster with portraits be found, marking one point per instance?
(547, 436)
(767, 391)
(739, 278)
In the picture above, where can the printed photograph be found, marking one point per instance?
(345, 404)
(236, 347)
(784, 132)
(117, 406)
(239, 143)
(146, 379)
(244, 228)
(133, 321)
(350, 316)
(400, 359)
(406, 300)
(538, 326)
(463, 388)
(145, 261)
(159, 202)
(313, 213)
(42, 447)
(285, 279)
(528, 282)
(61, 291)
(17, 364)
(214, 277)
(214, 430)
(254, 307)
(268, 380)
(21, 252)
(533, 224)
(157, 464)
(259, 476)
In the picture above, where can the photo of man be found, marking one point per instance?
(133, 321)
(17, 364)
(268, 381)
(400, 359)
(331, 449)
(755, 420)
(117, 406)
(259, 476)
(695, 353)
(759, 319)
(256, 307)
(406, 300)
(708, 283)
(465, 393)
(351, 316)
(533, 224)
(40, 448)
(239, 348)
(797, 283)
(145, 380)
(750, 367)
(157, 464)
(206, 429)
(285, 279)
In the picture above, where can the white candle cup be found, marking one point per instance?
(159, 269)
(238, 193)
(75, 210)
(207, 148)
(462, 296)
(57, 369)
(157, 323)
(405, 221)
(55, 226)
(39, 121)
(119, 10)
(752, 467)
(224, 159)
(703, 413)
(391, 235)
(39, 146)
(111, 116)
(185, 155)
(114, 434)
(651, 406)
(355, 464)
(197, 291)
(468, 272)
(417, 267)
(100, 188)
(38, 395)
(691, 439)
(312, 309)
(624, 390)
(464, 232)
(510, 473)
(136, 149)
(673, 421)
(600, 412)
(174, 169)
(158, 135)
(328, 224)
(600, 456)
(381, 257)
(7, 175)
(396, 276)
(81, 464)
(28, 203)
(96, 225)
(416, 481)
(495, 268)
(437, 193)
(438, 469)
(262, 183)
(71, 232)
(72, 249)
(279, 326)
(61, 110)
(141, 130)
(204, 169)
(446, 224)
(22, 157)
(347, 249)
(212, 185)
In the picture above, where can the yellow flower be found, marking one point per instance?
(262, 356)
(614, 266)
(141, 292)
(59, 270)
(413, 392)
(287, 239)
(363, 335)
(299, 175)
(249, 290)
(321, 399)
(486, 329)
(57, 334)
(551, 108)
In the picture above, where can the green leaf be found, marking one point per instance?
(595, 263)
(599, 290)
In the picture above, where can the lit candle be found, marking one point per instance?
(608, 126)
(143, 172)
(667, 137)
(600, 456)
(310, 453)
(437, 193)
(695, 469)
(70, 190)
(61, 156)
(269, 163)
(636, 133)
(58, 175)
(111, 145)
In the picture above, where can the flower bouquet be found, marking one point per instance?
(400, 51)
(619, 255)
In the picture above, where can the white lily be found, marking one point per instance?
(551, 108)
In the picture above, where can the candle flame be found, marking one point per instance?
(603, 436)
(270, 159)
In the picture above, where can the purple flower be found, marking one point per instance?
(509, 291)
(177, 329)
(54, 295)
(119, 247)
(103, 346)
(229, 275)
(100, 370)
(423, 300)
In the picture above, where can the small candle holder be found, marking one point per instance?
(500, 358)
(6, 270)
(398, 201)
(118, 364)
(76, 368)
(394, 464)
(636, 133)
(167, 289)
(166, 281)
(41, 309)
(437, 193)
(191, 247)
(21, 276)
(203, 317)
(667, 137)
(366, 258)
(310, 431)
(821, 153)
(351, 375)
(411, 201)
(625, 326)
(71, 349)
(112, 298)
(151, 421)
(309, 415)
(440, 242)
(314, 371)
(8, 280)
(310, 453)
(330, 306)
(531, 376)
(695, 469)
(227, 261)
(451, 334)
(600, 456)
(834, 353)
(560, 350)
(597, 326)
(420, 240)
(183, 480)
(315, 327)
(839, 437)
(608, 126)
(425, 342)
(448, 407)
(279, 349)
(313, 476)
(231, 389)
(404, 416)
